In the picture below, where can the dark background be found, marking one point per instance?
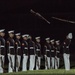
(15, 15)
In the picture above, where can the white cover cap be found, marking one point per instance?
(2, 30)
(70, 36)
(37, 37)
(25, 35)
(12, 31)
(52, 40)
(18, 34)
(57, 41)
(47, 39)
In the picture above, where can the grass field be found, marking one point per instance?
(44, 72)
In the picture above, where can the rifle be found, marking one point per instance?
(46, 57)
(37, 61)
(11, 62)
(1, 57)
(17, 64)
(56, 57)
(46, 61)
(56, 60)
(10, 58)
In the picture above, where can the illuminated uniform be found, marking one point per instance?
(52, 55)
(57, 55)
(11, 53)
(31, 47)
(18, 52)
(47, 48)
(66, 52)
(38, 54)
(25, 53)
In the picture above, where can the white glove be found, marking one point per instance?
(3, 56)
(35, 54)
(56, 57)
(23, 55)
(45, 55)
(0, 55)
(8, 54)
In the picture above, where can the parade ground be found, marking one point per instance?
(44, 72)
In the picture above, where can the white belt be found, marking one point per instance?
(31, 47)
(19, 47)
(67, 46)
(52, 50)
(37, 49)
(11, 46)
(25, 48)
(63, 46)
(57, 51)
(47, 50)
(2, 46)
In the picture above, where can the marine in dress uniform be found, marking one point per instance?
(11, 51)
(47, 53)
(38, 53)
(52, 53)
(18, 50)
(57, 54)
(31, 47)
(66, 52)
(2, 50)
(25, 52)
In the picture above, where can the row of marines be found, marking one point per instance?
(32, 51)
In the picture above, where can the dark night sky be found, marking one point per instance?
(15, 14)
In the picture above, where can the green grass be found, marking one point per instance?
(44, 72)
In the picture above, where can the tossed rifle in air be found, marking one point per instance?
(39, 15)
